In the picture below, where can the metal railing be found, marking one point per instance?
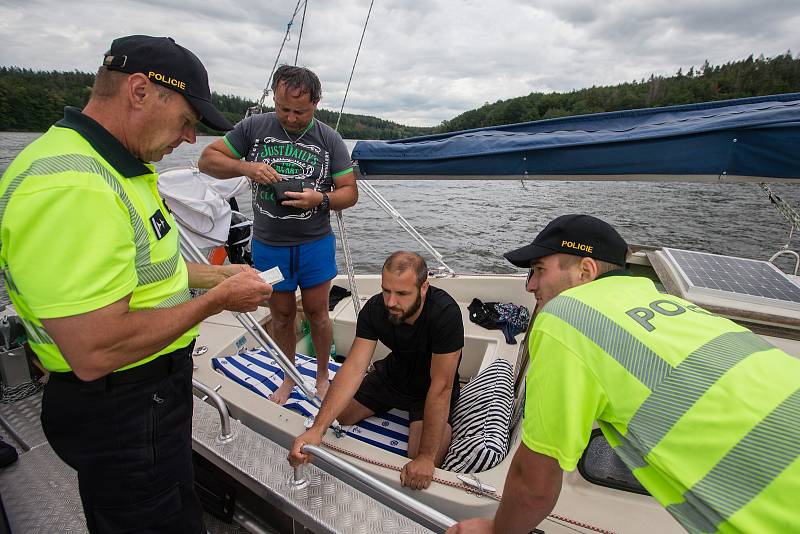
(348, 261)
(384, 204)
(398, 498)
(190, 251)
(402, 503)
(298, 480)
(787, 252)
(226, 433)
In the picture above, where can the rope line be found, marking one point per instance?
(300, 37)
(15, 393)
(386, 206)
(783, 207)
(260, 106)
(351, 276)
(458, 485)
(355, 61)
(348, 261)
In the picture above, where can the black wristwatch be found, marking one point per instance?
(326, 202)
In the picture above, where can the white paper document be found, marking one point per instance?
(272, 276)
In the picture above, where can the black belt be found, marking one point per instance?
(158, 368)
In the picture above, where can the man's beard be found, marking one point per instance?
(397, 319)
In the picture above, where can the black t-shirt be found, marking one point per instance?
(438, 330)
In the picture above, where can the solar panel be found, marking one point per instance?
(735, 278)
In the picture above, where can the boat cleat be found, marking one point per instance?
(478, 487)
(338, 431)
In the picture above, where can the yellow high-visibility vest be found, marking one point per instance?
(82, 226)
(705, 413)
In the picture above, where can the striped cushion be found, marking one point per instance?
(258, 372)
(481, 420)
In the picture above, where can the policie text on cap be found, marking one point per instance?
(169, 64)
(578, 235)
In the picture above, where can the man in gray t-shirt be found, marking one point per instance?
(317, 156)
(294, 235)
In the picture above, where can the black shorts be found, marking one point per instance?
(380, 395)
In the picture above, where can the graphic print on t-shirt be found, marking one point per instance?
(317, 155)
(299, 161)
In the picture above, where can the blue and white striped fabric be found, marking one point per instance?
(258, 372)
(481, 420)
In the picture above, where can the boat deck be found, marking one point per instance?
(40, 492)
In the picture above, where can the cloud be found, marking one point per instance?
(421, 61)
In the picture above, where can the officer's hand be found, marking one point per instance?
(233, 269)
(417, 473)
(242, 292)
(311, 436)
(306, 200)
(261, 172)
(472, 526)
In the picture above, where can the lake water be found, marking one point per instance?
(471, 223)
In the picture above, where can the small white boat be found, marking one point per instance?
(602, 496)
(748, 140)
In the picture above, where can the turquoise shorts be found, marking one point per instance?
(306, 265)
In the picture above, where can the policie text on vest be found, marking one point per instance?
(663, 307)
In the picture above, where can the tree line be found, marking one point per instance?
(738, 79)
(33, 100)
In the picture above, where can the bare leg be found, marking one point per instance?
(415, 435)
(315, 306)
(354, 413)
(283, 308)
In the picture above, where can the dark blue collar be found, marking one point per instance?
(615, 272)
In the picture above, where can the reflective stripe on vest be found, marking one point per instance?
(632, 354)
(745, 470)
(146, 271)
(9, 281)
(36, 333)
(687, 382)
(178, 298)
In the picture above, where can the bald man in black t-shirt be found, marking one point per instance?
(422, 327)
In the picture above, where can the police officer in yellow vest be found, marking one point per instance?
(704, 412)
(91, 262)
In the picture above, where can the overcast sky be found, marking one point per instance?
(422, 61)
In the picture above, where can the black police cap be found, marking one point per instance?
(169, 64)
(578, 235)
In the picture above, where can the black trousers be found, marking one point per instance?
(131, 446)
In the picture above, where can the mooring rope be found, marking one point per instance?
(783, 207)
(494, 496)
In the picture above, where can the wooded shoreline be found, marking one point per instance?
(31, 101)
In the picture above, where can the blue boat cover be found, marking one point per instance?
(751, 137)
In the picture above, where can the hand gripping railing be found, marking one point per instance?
(423, 511)
(190, 251)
